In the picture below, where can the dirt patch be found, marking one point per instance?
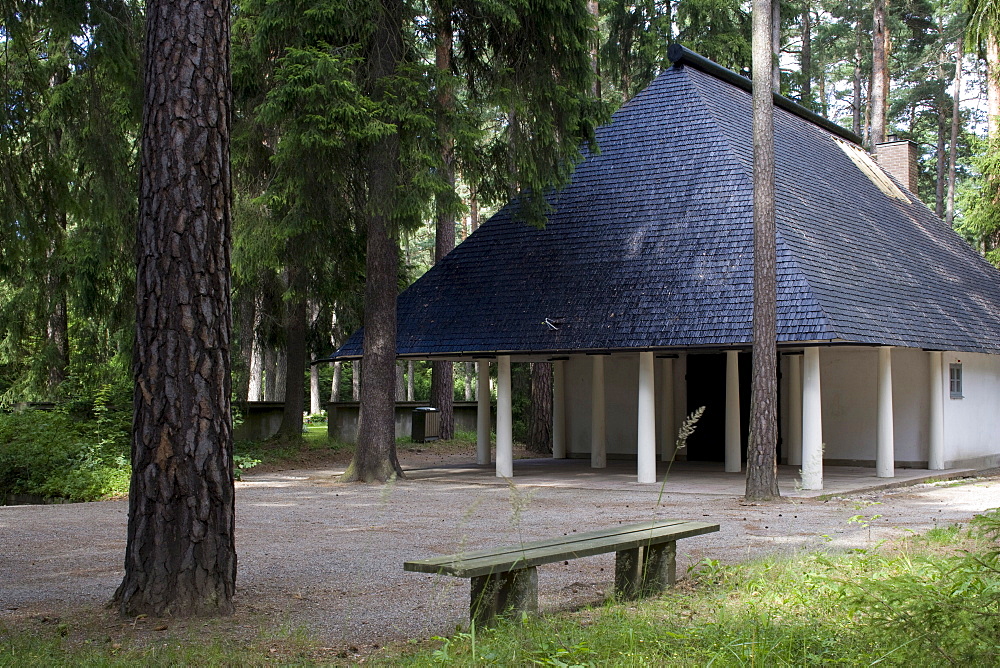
(327, 556)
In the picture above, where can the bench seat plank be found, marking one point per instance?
(536, 553)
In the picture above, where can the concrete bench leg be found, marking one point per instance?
(628, 573)
(659, 568)
(507, 594)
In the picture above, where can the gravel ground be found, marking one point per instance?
(328, 556)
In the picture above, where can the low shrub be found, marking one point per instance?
(74, 453)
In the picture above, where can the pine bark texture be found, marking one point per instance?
(315, 402)
(956, 123)
(540, 429)
(762, 473)
(880, 73)
(443, 373)
(375, 456)
(806, 56)
(296, 327)
(180, 556)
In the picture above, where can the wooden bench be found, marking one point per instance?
(505, 580)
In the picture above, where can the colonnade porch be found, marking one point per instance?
(658, 413)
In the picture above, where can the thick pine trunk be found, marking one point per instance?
(470, 381)
(762, 478)
(443, 373)
(956, 122)
(880, 74)
(296, 326)
(540, 429)
(180, 555)
(375, 456)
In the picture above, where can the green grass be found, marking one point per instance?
(922, 601)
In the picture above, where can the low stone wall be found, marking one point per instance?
(342, 418)
(261, 420)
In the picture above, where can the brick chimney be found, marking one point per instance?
(899, 158)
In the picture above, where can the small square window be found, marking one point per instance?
(955, 380)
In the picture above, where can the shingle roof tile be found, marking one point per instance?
(651, 246)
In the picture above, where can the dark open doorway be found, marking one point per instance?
(706, 386)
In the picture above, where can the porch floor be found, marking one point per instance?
(704, 478)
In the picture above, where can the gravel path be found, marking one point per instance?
(329, 556)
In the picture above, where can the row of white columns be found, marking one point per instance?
(805, 420)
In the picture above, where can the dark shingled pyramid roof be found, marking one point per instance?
(651, 246)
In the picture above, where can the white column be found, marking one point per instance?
(598, 442)
(884, 447)
(733, 454)
(665, 416)
(505, 435)
(646, 428)
(794, 453)
(483, 413)
(812, 422)
(935, 455)
(559, 409)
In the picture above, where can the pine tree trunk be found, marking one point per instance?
(942, 118)
(776, 45)
(375, 456)
(180, 555)
(442, 373)
(315, 401)
(469, 381)
(356, 380)
(594, 9)
(992, 87)
(400, 381)
(335, 384)
(762, 473)
(880, 74)
(540, 431)
(280, 374)
(806, 61)
(57, 332)
(270, 374)
(256, 373)
(245, 311)
(857, 106)
(956, 122)
(410, 381)
(296, 327)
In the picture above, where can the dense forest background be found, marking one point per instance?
(465, 113)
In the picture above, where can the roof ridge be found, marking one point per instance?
(680, 55)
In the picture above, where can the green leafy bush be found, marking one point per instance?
(78, 452)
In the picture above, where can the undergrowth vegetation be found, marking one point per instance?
(79, 451)
(927, 601)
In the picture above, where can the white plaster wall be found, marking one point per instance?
(911, 404)
(849, 384)
(972, 424)
(621, 383)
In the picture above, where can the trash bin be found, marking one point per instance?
(426, 424)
